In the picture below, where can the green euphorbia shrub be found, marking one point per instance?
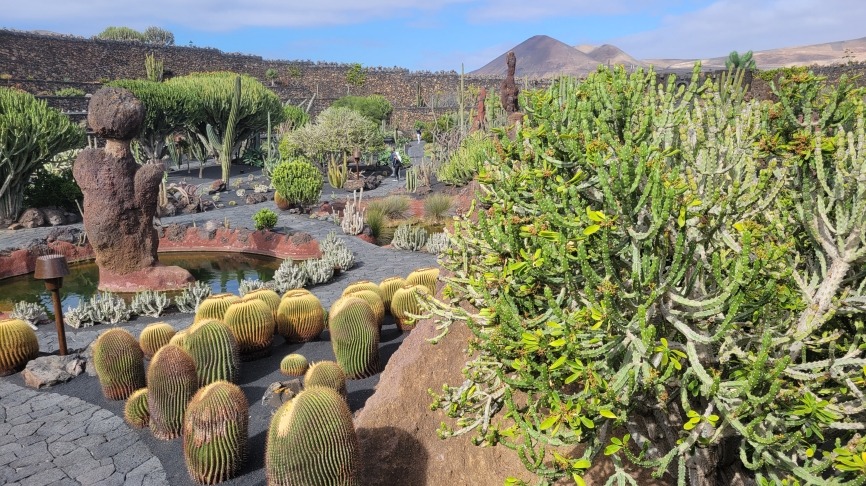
(671, 277)
(298, 181)
(265, 219)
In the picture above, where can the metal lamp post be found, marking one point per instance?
(52, 269)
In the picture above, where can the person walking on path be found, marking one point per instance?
(396, 163)
(418, 135)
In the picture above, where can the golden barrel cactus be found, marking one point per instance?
(155, 336)
(214, 306)
(18, 345)
(215, 433)
(119, 363)
(387, 288)
(252, 322)
(300, 317)
(354, 337)
(427, 276)
(171, 382)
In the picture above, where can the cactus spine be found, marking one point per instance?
(155, 336)
(354, 337)
(215, 433)
(136, 412)
(300, 317)
(119, 363)
(388, 287)
(405, 303)
(294, 365)
(252, 322)
(424, 276)
(18, 345)
(311, 441)
(215, 306)
(171, 381)
(326, 373)
(267, 296)
(214, 349)
(375, 301)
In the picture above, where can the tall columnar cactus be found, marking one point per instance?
(405, 304)
(252, 322)
(312, 441)
(18, 345)
(326, 373)
(268, 296)
(374, 299)
(30, 134)
(119, 363)
(171, 382)
(155, 336)
(215, 433)
(214, 349)
(215, 306)
(354, 337)
(387, 287)
(300, 317)
(136, 411)
(424, 276)
(294, 365)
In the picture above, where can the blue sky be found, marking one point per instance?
(439, 35)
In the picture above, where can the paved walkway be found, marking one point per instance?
(47, 438)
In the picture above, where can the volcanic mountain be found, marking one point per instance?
(541, 56)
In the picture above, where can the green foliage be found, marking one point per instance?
(53, 189)
(168, 107)
(151, 35)
(119, 363)
(338, 173)
(153, 68)
(18, 345)
(356, 75)
(298, 181)
(265, 219)
(467, 161)
(436, 205)
(682, 256)
(311, 441)
(394, 207)
(376, 220)
(70, 92)
(295, 116)
(215, 433)
(736, 60)
(374, 107)
(271, 75)
(31, 133)
(338, 131)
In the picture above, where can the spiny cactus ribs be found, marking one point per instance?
(252, 322)
(171, 381)
(300, 317)
(119, 363)
(18, 345)
(311, 441)
(215, 433)
(354, 337)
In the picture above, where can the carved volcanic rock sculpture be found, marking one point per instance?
(508, 90)
(480, 120)
(120, 200)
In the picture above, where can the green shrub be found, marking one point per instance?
(265, 219)
(49, 189)
(295, 116)
(467, 161)
(69, 92)
(376, 219)
(298, 181)
(676, 264)
(374, 107)
(436, 205)
(394, 207)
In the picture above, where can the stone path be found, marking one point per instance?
(47, 438)
(51, 439)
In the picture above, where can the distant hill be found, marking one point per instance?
(542, 56)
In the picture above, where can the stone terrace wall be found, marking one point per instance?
(41, 64)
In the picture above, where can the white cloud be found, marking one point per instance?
(528, 10)
(743, 25)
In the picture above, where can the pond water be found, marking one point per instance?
(223, 271)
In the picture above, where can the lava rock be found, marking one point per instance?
(50, 370)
